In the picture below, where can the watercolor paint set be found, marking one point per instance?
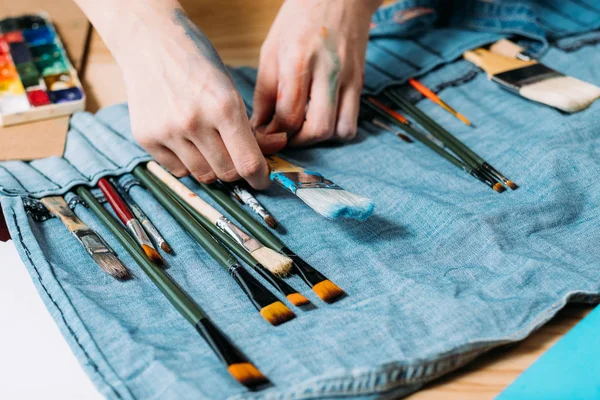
(37, 80)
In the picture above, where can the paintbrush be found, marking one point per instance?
(95, 246)
(282, 286)
(450, 141)
(379, 123)
(327, 291)
(128, 219)
(242, 195)
(319, 193)
(237, 364)
(141, 216)
(509, 49)
(399, 120)
(425, 91)
(270, 308)
(535, 81)
(273, 261)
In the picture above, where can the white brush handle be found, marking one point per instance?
(184, 193)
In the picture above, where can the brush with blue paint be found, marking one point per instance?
(319, 193)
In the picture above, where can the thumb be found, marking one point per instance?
(272, 142)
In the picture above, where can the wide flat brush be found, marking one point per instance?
(319, 193)
(449, 140)
(141, 216)
(327, 291)
(248, 199)
(269, 306)
(128, 219)
(237, 364)
(535, 81)
(273, 261)
(282, 286)
(93, 244)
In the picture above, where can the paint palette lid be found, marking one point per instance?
(37, 79)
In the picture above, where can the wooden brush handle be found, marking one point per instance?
(116, 201)
(424, 90)
(184, 193)
(506, 48)
(492, 63)
(277, 164)
(58, 207)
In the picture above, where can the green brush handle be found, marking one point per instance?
(438, 131)
(212, 247)
(180, 299)
(255, 228)
(231, 244)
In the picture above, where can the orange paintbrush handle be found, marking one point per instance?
(388, 110)
(424, 90)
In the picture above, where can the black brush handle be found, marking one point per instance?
(219, 343)
(256, 292)
(310, 275)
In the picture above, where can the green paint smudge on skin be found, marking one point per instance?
(203, 45)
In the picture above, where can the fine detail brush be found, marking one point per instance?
(430, 94)
(434, 144)
(245, 197)
(128, 219)
(282, 286)
(319, 193)
(327, 291)
(535, 81)
(450, 141)
(95, 246)
(269, 306)
(237, 364)
(141, 216)
(273, 261)
(379, 123)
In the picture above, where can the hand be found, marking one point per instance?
(185, 110)
(311, 70)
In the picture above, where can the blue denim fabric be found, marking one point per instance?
(445, 269)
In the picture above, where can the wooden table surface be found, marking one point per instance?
(237, 29)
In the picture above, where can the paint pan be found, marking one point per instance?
(37, 80)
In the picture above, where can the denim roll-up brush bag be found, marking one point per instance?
(444, 270)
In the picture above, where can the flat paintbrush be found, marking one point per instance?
(449, 140)
(245, 197)
(128, 219)
(269, 306)
(399, 120)
(282, 286)
(237, 364)
(318, 192)
(273, 261)
(141, 216)
(95, 246)
(328, 291)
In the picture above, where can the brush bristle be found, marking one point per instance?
(297, 299)
(277, 313)
(271, 222)
(404, 137)
(565, 93)
(166, 248)
(277, 263)
(512, 185)
(328, 291)
(152, 254)
(110, 264)
(336, 203)
(247, 374)
(498, 187)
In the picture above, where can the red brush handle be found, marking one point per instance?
(115, 200)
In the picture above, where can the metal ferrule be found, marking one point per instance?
(245, 240)
(91, 242)
(515, 79)
(494, 172)
(138, 232)
(293, 181)
(153, 232)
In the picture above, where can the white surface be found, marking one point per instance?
(35, 360)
